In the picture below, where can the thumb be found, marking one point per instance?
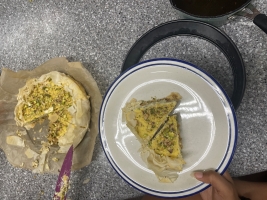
(215, 179)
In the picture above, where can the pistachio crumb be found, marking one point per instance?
(55, 159)
(18, 133)
(35, 163)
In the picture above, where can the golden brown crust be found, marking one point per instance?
(78, 108)
(164, 167)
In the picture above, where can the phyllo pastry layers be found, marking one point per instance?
(158, 131)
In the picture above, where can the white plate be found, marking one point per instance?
(208, 124)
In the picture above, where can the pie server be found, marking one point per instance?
(173, 112)
(64, 176)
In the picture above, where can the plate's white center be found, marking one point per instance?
(203, 119)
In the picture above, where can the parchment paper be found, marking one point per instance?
(11, 81)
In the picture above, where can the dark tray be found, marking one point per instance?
(198, 29)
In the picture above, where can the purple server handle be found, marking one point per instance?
(65, 170)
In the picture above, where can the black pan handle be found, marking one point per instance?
(261, 21)
(253, 14)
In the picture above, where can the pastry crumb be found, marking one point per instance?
(55, 159)
(18, 133)
(86, 181)
(35, 163)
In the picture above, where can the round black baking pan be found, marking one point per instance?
(202, 30)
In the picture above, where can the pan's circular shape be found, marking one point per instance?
(198, 29)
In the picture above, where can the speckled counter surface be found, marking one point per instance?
(99, 34)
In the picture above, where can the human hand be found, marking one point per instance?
(222, 187)
(251, 190)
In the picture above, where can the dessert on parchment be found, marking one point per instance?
(61, 101)
(46, 110)
(59, 98)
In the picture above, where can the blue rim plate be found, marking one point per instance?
(207, 124)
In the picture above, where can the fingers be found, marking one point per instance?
(228, 177)
(222, 186)
(215, 179)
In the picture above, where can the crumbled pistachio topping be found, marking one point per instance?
(46, 98)
(166, 142)
(149, 118)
